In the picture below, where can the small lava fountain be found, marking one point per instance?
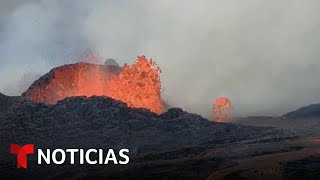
(222, 109)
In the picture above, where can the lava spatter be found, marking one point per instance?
(138, 84)
(222, 109)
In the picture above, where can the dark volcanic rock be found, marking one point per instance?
(7, 103)
(307, 168)
(101, 122)
(311, 111)
(111, 62)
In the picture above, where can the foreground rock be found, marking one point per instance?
(101, 122)
(307, 168)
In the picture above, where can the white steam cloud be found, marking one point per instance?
(263, 55)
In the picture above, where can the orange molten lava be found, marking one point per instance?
(138, 84)
(222, 109)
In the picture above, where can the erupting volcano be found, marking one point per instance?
(222, 109)
(138, 84)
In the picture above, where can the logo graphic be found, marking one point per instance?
(22, 152)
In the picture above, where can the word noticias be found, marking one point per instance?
(60, 156)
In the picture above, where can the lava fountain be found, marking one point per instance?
(222, 109)
(138, 85)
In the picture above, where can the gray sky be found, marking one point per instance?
(263, 55)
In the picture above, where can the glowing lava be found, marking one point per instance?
(222, 109)
(138, 84)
